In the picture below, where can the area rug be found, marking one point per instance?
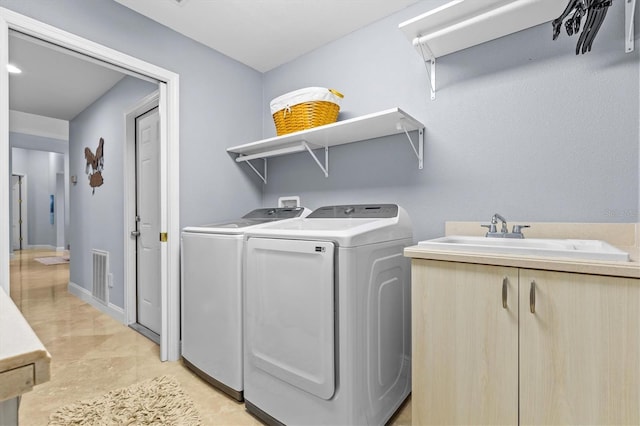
(52, 260)
(159, 401)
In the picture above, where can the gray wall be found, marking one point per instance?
(520, 126)
(220, 106)
(41, 168)
(40, 143)
(98, 216)
(220, 99)
(27, 144)
(32, 142)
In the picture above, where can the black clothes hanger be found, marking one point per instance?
(601, 13)
(557, 23)
(596, 11)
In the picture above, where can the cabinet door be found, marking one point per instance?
(580, 350)
(465, 344)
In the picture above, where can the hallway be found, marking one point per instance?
(93, 354)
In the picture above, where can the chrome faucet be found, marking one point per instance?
(504, 230)
(495, 218)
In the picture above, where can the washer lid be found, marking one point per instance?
(250, 220)
(363, 224)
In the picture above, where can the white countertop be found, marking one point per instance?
(24, 361)
(623, 236)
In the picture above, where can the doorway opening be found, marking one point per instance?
(169, 159)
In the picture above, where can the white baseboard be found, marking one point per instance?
(41, 247)
(85, 295)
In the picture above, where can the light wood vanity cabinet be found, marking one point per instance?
(580, 350)
(480, 356)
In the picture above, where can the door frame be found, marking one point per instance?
(60, 210)
(169, 159)
(23, 209)
(130, 244)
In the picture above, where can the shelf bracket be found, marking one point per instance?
(629, 14)
(324, 168)
(429, 58)
(260, 175)
(432, 77)
(419, 151)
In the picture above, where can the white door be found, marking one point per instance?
(16, 215)
(148, 220)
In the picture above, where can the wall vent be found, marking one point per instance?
(100, 275)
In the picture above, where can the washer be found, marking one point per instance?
(211, 284)
(328, 317)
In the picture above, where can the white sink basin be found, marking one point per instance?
(575, 249)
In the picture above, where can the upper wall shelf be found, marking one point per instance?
(464, 23)
(379, 124)
(460, 24)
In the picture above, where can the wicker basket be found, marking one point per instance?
(305, 108)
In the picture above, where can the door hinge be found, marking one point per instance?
(163, 237)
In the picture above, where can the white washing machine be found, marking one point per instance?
(328, 317)
(211, 285)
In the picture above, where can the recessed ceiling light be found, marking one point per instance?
(13, 69)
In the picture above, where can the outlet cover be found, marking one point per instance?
(289, 201)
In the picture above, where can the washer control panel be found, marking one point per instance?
(274, 213)
(361, 211)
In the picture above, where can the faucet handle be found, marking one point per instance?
(491, 226)
(517, 229)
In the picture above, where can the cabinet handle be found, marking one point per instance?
(532, 297)
(505, 280)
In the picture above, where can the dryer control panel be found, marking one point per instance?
(361, 211)
(273, 213)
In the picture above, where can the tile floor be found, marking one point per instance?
(93, 353)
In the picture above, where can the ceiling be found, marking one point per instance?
(54, 82)
(262, 34)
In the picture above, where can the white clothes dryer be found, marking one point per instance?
(211, 302)
(328, 317)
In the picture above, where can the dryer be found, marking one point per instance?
(328, 317)
(211, 290)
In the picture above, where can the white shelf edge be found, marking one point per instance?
(384, 123)
(461, 24)
(272, 153)
(311, 135)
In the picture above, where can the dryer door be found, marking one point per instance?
(289, 312)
